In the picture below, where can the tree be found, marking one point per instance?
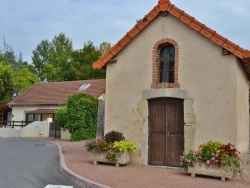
(8, 56)
(104, 47)
(52, 59)
(6, 83)
(58, 61)
(85, 58)
(40, 58)
(23, 80)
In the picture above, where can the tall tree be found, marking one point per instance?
(104, 47)
(40, 58)
(58, 61)
(23, 79)
(6, 83)
(8, 56)
(61, 57)
(90, 55)
(86, 57)
(52, 59)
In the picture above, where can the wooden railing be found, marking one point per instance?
(12, 124)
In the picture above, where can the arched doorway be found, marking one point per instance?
(166, 131)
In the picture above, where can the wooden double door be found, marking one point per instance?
(166, 131)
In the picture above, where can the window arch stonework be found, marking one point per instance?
(156, 65)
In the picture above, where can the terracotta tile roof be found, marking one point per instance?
(44, 111)
(54, 93)
(163, 6)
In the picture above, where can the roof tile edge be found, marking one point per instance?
(163, 6)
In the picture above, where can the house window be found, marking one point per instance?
(165, 59)
(33, 117)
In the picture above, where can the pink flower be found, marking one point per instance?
(208, 162)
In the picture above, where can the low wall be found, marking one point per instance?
(65, 134)
(9, 132)
(34, 129)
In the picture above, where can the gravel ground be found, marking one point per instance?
(136, 176)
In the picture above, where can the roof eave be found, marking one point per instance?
(139, 26)
(37, 104)
(166, 6)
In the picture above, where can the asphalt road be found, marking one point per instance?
(29, 164)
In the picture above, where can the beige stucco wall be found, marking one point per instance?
(242, 99)
(65, 134)
(209, 78)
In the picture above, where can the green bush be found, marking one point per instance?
(79, 116)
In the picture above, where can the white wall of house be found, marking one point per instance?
(9, 115)
(19, 112)
(215, 85)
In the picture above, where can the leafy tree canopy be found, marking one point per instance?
(56, 60)
(53, 61)
(23, 80)
(6, 83)
(15, 75)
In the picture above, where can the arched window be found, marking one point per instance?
(165, 59)
(167, 62)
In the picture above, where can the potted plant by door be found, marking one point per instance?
(112, 148)
(213, 159)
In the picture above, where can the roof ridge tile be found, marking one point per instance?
(163, 6)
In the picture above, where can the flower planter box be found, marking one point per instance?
(122, 159)
(209, 170)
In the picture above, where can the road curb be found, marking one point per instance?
(72, 176)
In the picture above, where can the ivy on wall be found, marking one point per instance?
(79, 116)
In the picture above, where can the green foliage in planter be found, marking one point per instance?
(111, 149)
(79, 116)
(98, 146)
(125, 145)
(217, 154)
(208, 149)
(119, 146)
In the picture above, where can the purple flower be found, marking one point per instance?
(181, 158)
(208, 162)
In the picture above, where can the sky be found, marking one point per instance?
(25, 23)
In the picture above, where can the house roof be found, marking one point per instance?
(165, 6)
(54, 93)
(44, 111)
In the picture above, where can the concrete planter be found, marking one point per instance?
(209, 170)
(122, 159)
